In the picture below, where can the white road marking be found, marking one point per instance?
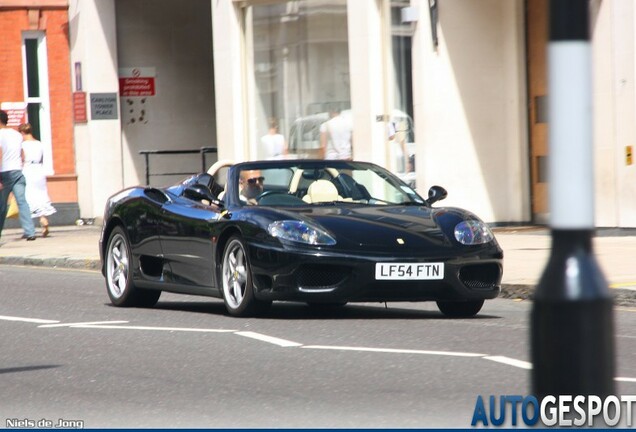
(625, 379)
(510, 361)
(394, 351)
(268, 339)
(81, 324)
(276, 341)
(29, 320)
(172, 329)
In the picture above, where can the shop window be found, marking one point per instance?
(35, 79)
(300, 61)
(402, 155)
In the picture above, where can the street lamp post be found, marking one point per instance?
(572, 338)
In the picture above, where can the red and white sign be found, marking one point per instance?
(16, 112)
(79, 107)
(137, 81)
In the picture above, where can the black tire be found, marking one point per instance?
(460, 309)
(236, 281)
(119, 284)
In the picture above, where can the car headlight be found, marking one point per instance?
(300, 232)
(473, 232)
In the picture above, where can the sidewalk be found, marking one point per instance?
(66, 247)
(526, 251)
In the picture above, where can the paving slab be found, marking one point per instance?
(66, 246)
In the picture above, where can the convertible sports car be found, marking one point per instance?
(315, 231)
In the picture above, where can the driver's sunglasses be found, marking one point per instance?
(255, 180)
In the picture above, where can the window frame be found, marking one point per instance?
(44, 114)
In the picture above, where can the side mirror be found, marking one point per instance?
(436, 193)
(199, 192)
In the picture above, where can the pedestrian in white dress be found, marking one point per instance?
(37, 165)
(11, 177)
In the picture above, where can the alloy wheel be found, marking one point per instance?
(117, 266)
(234, 274)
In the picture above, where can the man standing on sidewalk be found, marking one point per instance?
(11, 178)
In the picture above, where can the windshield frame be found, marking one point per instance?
(411, 197)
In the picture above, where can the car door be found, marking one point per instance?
(187, 229)
(143, 220)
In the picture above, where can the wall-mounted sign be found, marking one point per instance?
(138, 81)
(79, 107)
(16, 112)
(78, 76)
(104, 106)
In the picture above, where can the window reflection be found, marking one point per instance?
(300, 55)
(402, 146)
(301, 72)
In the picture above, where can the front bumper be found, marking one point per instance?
(314, 276)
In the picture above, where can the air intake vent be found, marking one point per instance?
(480, 276)
(320, 277)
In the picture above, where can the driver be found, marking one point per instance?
(250, 186)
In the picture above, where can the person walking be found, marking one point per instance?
(37, 165)
(274, 146)
(336, 137)
(11, 177)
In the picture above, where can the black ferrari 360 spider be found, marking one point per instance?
(314, 231)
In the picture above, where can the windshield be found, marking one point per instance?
(296, 183)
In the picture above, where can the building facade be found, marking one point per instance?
(463, 84)
(35, 86)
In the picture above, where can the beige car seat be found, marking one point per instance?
(321, 191)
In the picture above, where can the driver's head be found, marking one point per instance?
(251, 183)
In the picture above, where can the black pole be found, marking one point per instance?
(147, 157)
(572, 326)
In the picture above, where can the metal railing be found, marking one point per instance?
(147, 153)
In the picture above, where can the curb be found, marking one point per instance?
(70, 263)
(622, 297)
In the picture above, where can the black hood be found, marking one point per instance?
(387, 230)
(390, 229)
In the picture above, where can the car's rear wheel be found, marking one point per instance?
(238, 289)
(460, 309)
(121, 289)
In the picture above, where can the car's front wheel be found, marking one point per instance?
(460, 309)
(119, 283)
(238, 289)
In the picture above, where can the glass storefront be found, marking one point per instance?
(300, 58)
(402, 145)
(298, 51)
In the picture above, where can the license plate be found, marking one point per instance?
(409, 271)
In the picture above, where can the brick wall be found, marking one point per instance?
(54, 22)
(57, 38)
(12, 22)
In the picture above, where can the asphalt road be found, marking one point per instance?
(68, 354)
